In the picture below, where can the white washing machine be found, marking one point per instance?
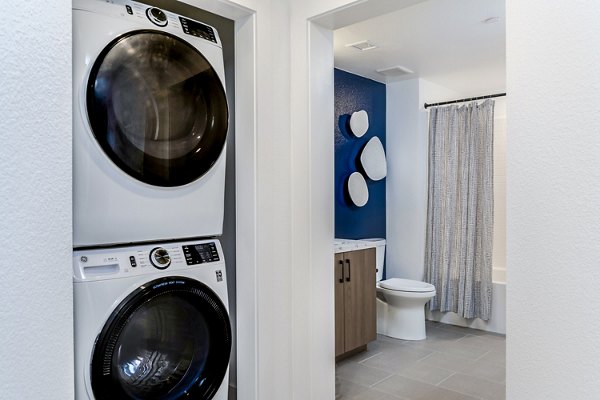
(150, 122)
(152, 322)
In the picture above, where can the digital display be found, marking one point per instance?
(197, 29)
(200, 253)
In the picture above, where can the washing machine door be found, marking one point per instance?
(170, 339)
(157, 108)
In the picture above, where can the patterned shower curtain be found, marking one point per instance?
(460, 209)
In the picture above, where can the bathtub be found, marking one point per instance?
(496, 323)
(499, 275)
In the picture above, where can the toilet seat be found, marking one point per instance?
(407, 285)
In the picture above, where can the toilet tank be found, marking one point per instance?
(379, 255)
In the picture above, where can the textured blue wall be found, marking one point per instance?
(355, 93)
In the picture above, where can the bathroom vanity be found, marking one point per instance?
(355, 312)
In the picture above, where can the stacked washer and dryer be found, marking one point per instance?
(150, 123)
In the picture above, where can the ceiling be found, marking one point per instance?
(443, 41)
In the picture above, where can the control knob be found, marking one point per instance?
(157, 16)
(160, 258)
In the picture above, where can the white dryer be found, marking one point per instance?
(150, 122)
(151, 322)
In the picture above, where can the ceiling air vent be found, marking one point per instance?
(396, 71)
(363, 45)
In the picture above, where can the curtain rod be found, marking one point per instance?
(443, 103)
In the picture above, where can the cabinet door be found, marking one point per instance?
(369, 295)
(359, 298)
(339, 303)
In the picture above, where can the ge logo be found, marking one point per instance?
(83, 259)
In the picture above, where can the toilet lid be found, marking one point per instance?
(406, 285)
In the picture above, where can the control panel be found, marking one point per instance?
(200, 253)
(197, 29)
(99, 264)
(168, 20)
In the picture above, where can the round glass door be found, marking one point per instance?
(170, 339)
(157, 108)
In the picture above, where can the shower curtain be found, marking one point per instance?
(458, 257)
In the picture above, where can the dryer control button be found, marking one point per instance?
(160, 258)
(157, 16)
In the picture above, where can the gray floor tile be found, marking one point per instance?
(383, 338)
(436, 338)
(360, 357)
(495, 357)
(396, 360)
(415, 390)
(483, 369)
(426, 373)
(385, 345)
(488, 342)
(460, 329)
(474, 386)
(346, 390)
(453, 363)
(375, 347)
(444, 334)
(372, 394)
(361, 374)
(447, 361)
(460, 349)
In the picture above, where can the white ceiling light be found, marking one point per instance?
(397, 70)
(363, 45)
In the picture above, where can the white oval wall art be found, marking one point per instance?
(373, 160)
(357, 188)
(359, 123)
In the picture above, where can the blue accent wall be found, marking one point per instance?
(355, 93)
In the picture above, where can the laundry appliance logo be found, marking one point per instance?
(169, 283)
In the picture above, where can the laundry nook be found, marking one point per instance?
(150, 128)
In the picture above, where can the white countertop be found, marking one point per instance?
(343, 245)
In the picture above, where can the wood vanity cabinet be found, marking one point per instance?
(355, 318)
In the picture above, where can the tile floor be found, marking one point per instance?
(453, 363)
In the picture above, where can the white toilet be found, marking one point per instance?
(400, 302)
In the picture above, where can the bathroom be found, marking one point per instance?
(412, 41)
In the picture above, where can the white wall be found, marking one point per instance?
(36, 321)
(274, 229)
(312, 207)
(553, 199)
(500, 182)
(407, 141)
(406, 198)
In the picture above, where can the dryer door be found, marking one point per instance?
(170, 339)
(157, 108)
